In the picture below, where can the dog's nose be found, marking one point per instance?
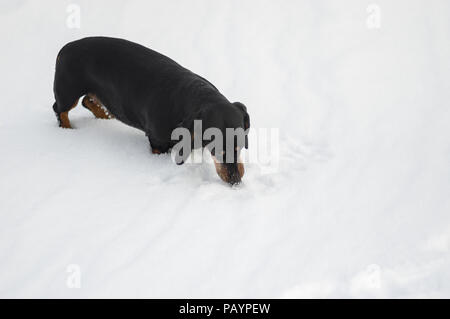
(234, 179)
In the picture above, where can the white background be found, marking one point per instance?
(359, 206)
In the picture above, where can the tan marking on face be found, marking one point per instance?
(241, 169)
(94, 105)
(156, 151)
(222, 170)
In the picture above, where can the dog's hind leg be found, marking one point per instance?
(68, 88)
(62, 114)
(67, 95)
(157, 148)
(93, 104)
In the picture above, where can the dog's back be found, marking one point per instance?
(117, 72)
(124, 76)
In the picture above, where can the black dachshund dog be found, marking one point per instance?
(149, 91)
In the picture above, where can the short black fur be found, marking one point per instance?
(142, 88)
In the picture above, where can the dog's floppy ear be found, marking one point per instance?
(246, 119)
(246, 116)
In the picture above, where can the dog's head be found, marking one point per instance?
(224, 132)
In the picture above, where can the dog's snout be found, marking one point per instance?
(235, 178)
(230, 172)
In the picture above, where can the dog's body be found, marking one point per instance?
(141, 88)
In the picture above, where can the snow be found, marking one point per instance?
(358, 207)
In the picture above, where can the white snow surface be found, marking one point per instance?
(358, 207)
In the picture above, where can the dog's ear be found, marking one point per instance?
(246, 119)
(246, 116)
